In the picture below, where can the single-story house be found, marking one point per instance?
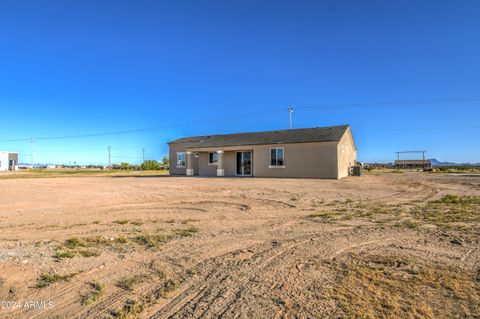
(8, 161)
(321, 152)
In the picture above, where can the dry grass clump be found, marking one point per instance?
(59, 255)
(373, 286)
(324, 215)
(96, 291)
(89, 253)
(409, 223)
(128, 283)
(126, 221)
(73, 246)
(130, 309)
(167, 287)
(151, 240)
(74, 242)
(79, 246)
(46, 279)
(454, 199)
(358, 210)
(185, 232)
(121, 221)
(450, 211)
(133, 307)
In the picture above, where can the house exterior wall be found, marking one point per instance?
(5, 158)
(205, 169)
(229, 163)
(173, 149)
(195, 163)
(302, 160)
(347, 154)
(3, 161)
(13, 157)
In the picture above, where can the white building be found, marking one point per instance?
(8, 161)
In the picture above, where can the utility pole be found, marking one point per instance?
(32, 156)
(143, 154)
(423, 160)
(109, 155)
(291, 110)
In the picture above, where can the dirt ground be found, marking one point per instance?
(387, 245)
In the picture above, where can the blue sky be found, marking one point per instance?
(201, 67)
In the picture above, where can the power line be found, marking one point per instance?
(32, 143)
(398, 129)
(373, 104)
(374, 130)
(399, 103)
(129, 157)
(90, 150)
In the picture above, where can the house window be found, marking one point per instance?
(277, 157)
(181, 159)
(212, 158)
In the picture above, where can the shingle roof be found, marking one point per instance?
(303, 135)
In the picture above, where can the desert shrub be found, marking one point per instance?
(128, 283)
(96, 291)
(46, 279)
(150, 165)
(454, 199)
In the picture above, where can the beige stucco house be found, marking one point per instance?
(322, 152)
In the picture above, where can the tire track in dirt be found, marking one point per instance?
(63, 297)
(215, 293)
(234, 257)
(99, 310)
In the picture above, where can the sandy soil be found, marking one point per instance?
(177, 247)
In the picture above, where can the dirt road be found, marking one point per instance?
(174, 247)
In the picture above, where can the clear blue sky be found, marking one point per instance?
(190, 67)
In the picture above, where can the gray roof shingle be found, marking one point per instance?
(303, 135)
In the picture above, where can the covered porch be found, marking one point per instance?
(219, 162)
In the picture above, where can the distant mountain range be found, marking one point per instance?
(436, 162)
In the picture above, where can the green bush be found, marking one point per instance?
(150, 165)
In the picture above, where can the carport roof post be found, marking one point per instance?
(220, 169)
(189, 163)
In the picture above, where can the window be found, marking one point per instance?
(213, 158)
(277, 157)
(181, 159)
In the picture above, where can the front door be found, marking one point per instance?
(244, 163)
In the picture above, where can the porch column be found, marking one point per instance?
(220, 170)
(189, 164)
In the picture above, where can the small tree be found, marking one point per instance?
(150, 165)
(165, 161)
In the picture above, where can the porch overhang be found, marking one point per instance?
(222, 148)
